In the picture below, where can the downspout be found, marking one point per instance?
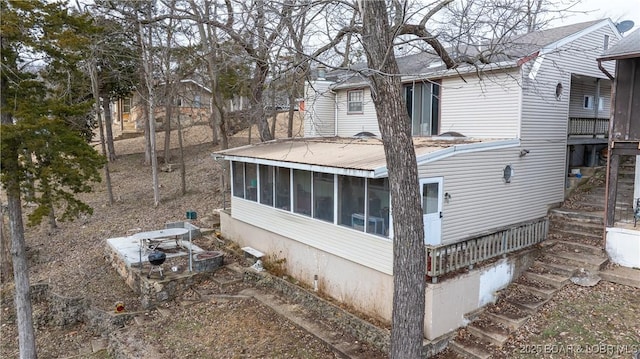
(335, 112)
(604, 71)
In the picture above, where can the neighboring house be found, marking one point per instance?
(494, 145)
(623, 240)
(192, 103)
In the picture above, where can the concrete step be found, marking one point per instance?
(555, 280)
(525, 300)
(556, 268)
(595, 217)
(469, 349)
(622, 275)
(577, 226)
(593, 263)
(544, 293)
(488, 331)
(511, 321)
(581, 248)
(565, 233)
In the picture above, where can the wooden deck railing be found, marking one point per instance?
(448, 258)
(579, 126)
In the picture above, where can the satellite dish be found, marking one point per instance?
(625, 26)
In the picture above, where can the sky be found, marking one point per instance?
(616, 10)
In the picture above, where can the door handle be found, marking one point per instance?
(440, 214)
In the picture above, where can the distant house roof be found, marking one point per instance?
(506, 55)
(628, 47)
(362, 157)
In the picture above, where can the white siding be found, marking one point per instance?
(362, 248)
(486, 107)
(351, 124)
(480, 198)
(587, 87)
(319, 115)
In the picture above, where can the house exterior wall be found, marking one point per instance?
(350, 124)
(446, 303)
(362, 248)
(319, 113)
(482, 107)
(587, 87)
(480, 198)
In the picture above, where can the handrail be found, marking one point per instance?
(464, 254)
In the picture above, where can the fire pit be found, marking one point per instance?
(156, 258)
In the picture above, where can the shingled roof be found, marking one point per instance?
(628, 47)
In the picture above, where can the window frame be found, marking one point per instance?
(351, 102)
(588, 100)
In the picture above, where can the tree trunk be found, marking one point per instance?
(168, 112)
(257, 111)
(5, 254)
(108, 124)
(26, 334)
(94, 88)
(183, 169)
(292, 105)
(408, 245)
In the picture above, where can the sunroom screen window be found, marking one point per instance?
(238, 178)
(378, 192)
(323, 196)
(351, 202)
(302, 192)
(266, 185)
(251, 181)
(283, 188)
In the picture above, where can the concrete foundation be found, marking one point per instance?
(623, 246)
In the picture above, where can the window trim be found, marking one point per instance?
(588, 100)
(361, 102)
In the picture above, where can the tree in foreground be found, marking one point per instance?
(45, 120)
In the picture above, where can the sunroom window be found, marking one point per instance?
(283, 188)
(266, 185)
(237, 169)
(302, 192)
(323, 185)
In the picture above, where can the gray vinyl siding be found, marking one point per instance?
(480, 199)
(582, 88)
(362, 248)
(485, 107)
(350, 124)
(319, 115)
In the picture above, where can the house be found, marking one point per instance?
(494, 145)
(623, 240)
(192, 103)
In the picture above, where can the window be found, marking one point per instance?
(323, 185)
(588, 103)
(423, 105)
(350, 199)
(237, 171)
(266, 185)
(251, 181)
(302, 192)
(196, 101)
(606, 42)
(355, 101)
(378, 195)
(126, 105)
(283, 188)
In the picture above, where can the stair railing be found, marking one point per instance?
(448, 258)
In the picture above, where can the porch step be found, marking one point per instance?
(544, 293)
(525, 300)
(622, 275)
(556, 268)
(594, 217)
(513, 321)
(581, 248)
(577, 233)
(469, 349)
(574, 226)
(593, 263)
(555, 280)
(489, 331)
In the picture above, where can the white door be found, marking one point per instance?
(431, 192)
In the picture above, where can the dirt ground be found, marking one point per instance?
(71, 259)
